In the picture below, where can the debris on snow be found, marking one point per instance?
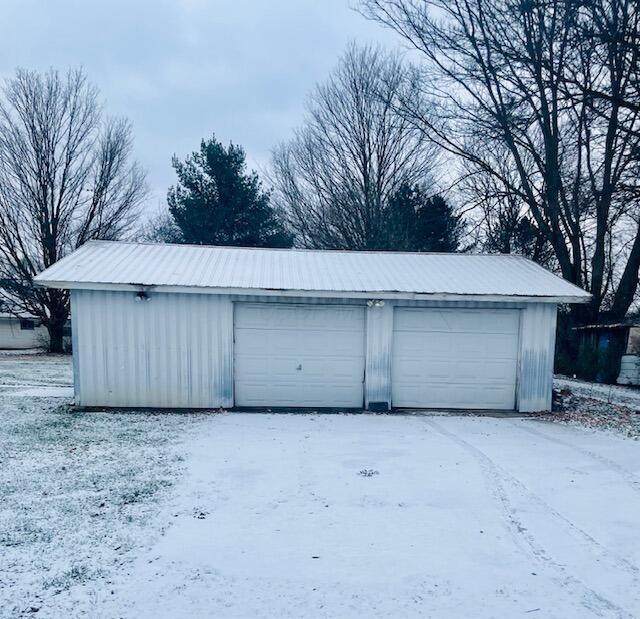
(611, 394)
(368, 472)
(597, 412)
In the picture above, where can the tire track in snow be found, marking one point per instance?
(590, 599)
(618, 561)
(632, 479)
(307, 478)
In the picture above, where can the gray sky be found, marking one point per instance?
(182, 69)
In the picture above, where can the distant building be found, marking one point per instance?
(21, 332)
(613, 351)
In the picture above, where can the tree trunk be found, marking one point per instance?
(628, 285)
(58, 316)
(56, 336)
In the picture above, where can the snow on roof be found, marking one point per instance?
(5, 315)
(609, 325)
(120, 265)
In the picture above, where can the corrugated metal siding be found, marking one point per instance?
(251, 298)
(111, 263)
(378, 358)
(75, 345)
(174, 350)
(248, 298)
(537, 350)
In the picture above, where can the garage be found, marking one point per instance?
(455, 358)
(299, 355)
(197, 327)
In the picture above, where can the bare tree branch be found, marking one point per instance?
(552, 87)
(334, 180)
(65, 178)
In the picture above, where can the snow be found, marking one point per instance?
(29, 368)
(466, 517)
(616, 394)
(394, 274)
(11, 352)
(39, 392)
(237, 515)
(78, 496)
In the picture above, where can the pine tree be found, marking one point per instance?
(438, 228)
(217, 202)
(419, 222)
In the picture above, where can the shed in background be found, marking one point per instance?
(610, 352)
(21, 332)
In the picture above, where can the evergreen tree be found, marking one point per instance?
(438, 228)
(217, 202)
(513, 233)
(419, 222)
(400, 221)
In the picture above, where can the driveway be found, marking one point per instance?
(135, 515)
(365, 515)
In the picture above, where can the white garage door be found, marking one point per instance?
(453, 358)
(298, 355)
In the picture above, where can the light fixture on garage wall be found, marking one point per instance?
(141, 295)
(375, 303)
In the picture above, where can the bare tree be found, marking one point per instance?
(500, 218)
(609, 30)
(335, 179)
(553, 85)
(65, 178)
(160, 228)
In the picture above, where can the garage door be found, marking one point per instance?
(446, 358)
(298, 355)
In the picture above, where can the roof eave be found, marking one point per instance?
(335, 294)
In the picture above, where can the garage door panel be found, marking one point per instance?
(414, 344)
(317, 370)
(282, 342)
(299, 355)
(335, 369)
(439, 396)
(316, 342)
(428, 370)
(447, 358)
(503, 345)
(288, 394)
(257, 368)
(249, 340)
(447, 321)
(462, 374)
(443, 344)
(298, 317)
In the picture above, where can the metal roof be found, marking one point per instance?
(197, 268)
(4, 315)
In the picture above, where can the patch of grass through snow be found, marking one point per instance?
(77, 491)
(77, 574)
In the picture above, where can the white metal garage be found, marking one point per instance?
(455, 358)
(298, 355)
(180, 326)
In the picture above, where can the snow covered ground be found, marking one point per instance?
(78, 497)
(241, 515)
(30, 368)
(615, 394)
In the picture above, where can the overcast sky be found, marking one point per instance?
(183, 69)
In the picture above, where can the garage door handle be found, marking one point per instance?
(299, 367)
